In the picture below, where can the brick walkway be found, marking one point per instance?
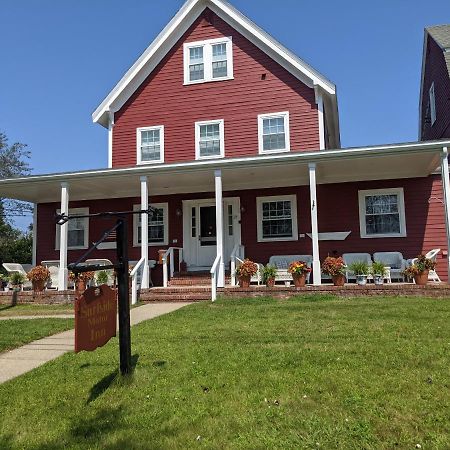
(23, 359)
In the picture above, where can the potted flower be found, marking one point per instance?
(268, 274)
(16, 279)
(245, 271)
(335, 268)
(361, 271)
(298, 270)
(419, 270)
(81, 279)
(378, 271)
(38, 276)
(101, 277)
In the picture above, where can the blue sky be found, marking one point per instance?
(60, 59)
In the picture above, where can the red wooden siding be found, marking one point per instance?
(436, 71)
(337, 211)
(163, 100)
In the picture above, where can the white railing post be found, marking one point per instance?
(172, 264)
(233, 270)
(63, 239)
(144, 233)
(219, 226)
(446, 189)
(134, 286)
(165, 274)
(317, 279)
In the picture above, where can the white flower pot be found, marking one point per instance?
(361, 280)
(378, 279)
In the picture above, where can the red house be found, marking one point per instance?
(234, 141)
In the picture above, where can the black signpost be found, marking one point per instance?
(121, 268)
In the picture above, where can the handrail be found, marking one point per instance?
(236, 254)
(170, 252)
(133, 275)
(214, 277)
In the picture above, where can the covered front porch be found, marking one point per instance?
(209, 210)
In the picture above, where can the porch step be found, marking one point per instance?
(176, 293)
(193, 279)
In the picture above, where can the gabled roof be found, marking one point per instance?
(441, 35)
(175, 29)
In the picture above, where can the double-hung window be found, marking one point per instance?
(78, 230)
(158, 225)
(432, 104)
(277, 218)
(209, 139)
(273, 132)
(210, 60)
(382, 213)
(150, 145)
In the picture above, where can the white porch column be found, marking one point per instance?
(446, 189)
(144, 233)
(219, 226)
(34, 256)
(64, 229)
(317, 279)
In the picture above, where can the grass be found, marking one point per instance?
(14, 333)
(34, 309)
(314, 372)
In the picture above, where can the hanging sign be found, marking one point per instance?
(95, 318)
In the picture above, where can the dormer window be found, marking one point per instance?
(210, 60)
(432, 104)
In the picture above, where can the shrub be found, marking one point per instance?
(16, 278)
(378, 268)
(102, 277)
(359, 268)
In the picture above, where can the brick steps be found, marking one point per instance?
(193, 279)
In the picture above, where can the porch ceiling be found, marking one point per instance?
(288, 169)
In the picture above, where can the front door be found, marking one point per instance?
(200, 234)
(207, 240)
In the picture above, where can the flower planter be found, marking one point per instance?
(421, 279)
(378, 279)
(270, 282)
(244, 282)
(361, 280)
(81, 286)
(299, 279)
(338, 280)
(38, 285)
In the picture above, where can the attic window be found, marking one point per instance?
(210, 60)
(432, 104)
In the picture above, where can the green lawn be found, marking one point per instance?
(314, 372)
(14, 333)
(34, 309)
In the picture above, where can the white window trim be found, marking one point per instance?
(75, 211)
(432, 96)
(165, 207)
(259, 216)
(362, 212)
(261, 117)
(207, 59)
(222, 139)
(161, 144)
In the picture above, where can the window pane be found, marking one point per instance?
(196, 55)
(219, 52)
(382, 214)
(277, 219)
(75, 238)
(274, 134)
(219, 69)
(155, 226)
(150, 145)
(196, 72)
(209, 140)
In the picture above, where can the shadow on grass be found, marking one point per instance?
(100, 387)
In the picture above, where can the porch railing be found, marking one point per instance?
(137, 269)
(169, 263)
(237, 255)
(214, 277)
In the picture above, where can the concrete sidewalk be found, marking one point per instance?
(23, 359)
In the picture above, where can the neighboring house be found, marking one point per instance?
(434, 106)
(216, 111)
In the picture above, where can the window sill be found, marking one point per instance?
(200, 158)
(187, 83)
(277, 239)
(152, 244)
(377, 236)
(271, 152)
